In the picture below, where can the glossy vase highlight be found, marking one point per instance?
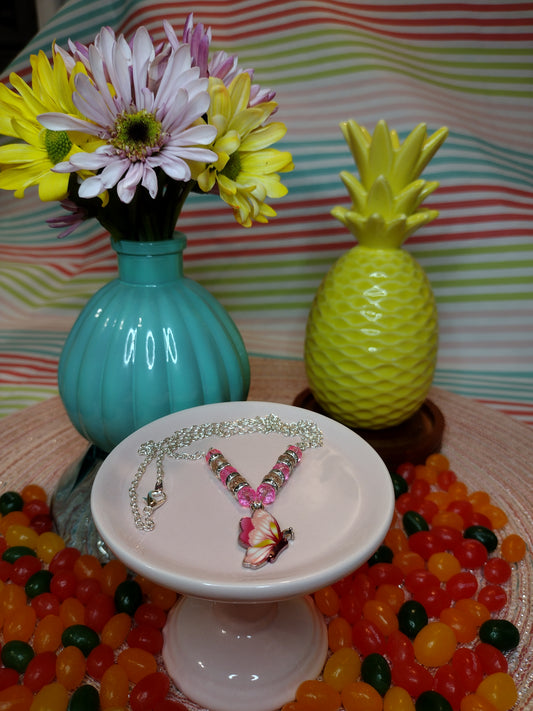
(149, 343)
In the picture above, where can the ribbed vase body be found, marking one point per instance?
(148, 343)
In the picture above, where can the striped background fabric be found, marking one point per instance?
(466, 65)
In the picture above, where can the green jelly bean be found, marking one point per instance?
(502, 634)
(81, 636)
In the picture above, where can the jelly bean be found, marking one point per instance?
(467, 668)
(432, 701)
(421, 578)
(462, 585)
(350, 607)
(435, 644)
(513, 548)
(380, 574)
(475, 610)
(149, 692)
(399, 648)
(20, 624)
(64, 559)
(382, 555)
(47, 637)
(161, 596)
(392, 595)
(99, 610)
(364, 581)
(409, 561)
(473, 702)
(17, 654)
(320, 694)
(483, 535)
(495, 514)
(460, 622)
(40, 671)
(339, 634)
(23, 568)
(425, 543)
(446, 478)
(412, 522)
(375, 671)
(396, 540)
(18, 535)
(420, 488)
(327, 601)
(498, 689)
(342, 668)
(48, 545)
(16, 698)
(70, 667)
(63, 584)
(146, 637)
(87, 566)
(447, 684)
(412, 617)
(399, 484)
(80, 636)
(497, 570)
(13, 553)
(72, 612)
(10, 501)
(448, 519)
(502, 634)
(413, 677)
(464, 508)
(367, 638)
(406, 502)
(42, 523)
(440, 498)
(87, 589)
(35, 507)
(52, 696)
(113, 573)
(100, 658)
(128, 596)
(382, 615)
(444, 565)
(116, 630)
(33, 492)
(8, 677)
(471, 553)
(449, 536)
(360, 696)
(397, 699)
(38, 583)
(137, 663)
(439, 461)
(84, 698)
(425, 473)
(45, 604)
(491, 659)
(150, 614)
(406, 471)
(458, 490)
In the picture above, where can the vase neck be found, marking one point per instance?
(150, 263)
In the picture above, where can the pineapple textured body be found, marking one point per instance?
(372, 337)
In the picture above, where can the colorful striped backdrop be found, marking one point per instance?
(465, 65)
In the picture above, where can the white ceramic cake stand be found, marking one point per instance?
(242, 639)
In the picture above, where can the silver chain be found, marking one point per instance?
(173, 447)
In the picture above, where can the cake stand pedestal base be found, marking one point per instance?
(241, 656)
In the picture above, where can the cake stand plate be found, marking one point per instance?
(244, 638)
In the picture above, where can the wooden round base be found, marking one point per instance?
(410, 441)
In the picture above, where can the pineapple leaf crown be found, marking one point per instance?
(386, 198)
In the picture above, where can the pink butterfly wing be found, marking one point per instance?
(263, 534)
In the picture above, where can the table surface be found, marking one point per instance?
(488, 450)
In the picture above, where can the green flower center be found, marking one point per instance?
(233, 166)
(57, 144)
(137, 135)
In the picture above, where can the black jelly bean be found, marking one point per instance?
(412, 617)
(432, 701)
(13, 553)
(80, 636)
(11, 501)
(38, 583)
(85, 698)
(17, 655)
(399, 484)
(128, 597)
(384, 554)
(375, 671)
(414, 522)
(484, 535)
(502, 634)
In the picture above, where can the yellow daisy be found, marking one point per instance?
(246, 170)
(30, 159)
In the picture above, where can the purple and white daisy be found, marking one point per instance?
(146, 123)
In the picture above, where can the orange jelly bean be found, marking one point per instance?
(474, 702)
(382, 615)
(498, 689)
(342, 668)
(495, 514)
(70, 667)
(13, 518)
(12, 597)
(398, 699)
(137, 663)
(449, 519)
(314, 694)
(460, 622)
(113, 573)
(87, 566)
(339, 634)
(327, 601)
(360, 696)
(72, 612)
(16, 698)
(396, 540)
(393, 595)
(513, 548)
(116, 630)
(444, 565)
(114, 688)
(32, 492)
(47, 637)
(427, 473)
(52, 696)
(439, 461)
(162, 597)
(409, 561)
(20, 624)
(475, 610)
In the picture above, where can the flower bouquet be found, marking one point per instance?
(124, 131)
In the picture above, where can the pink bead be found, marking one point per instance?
(266, 493)
(283, 469)
(225, 472)
(296, 450)
(212, 453)
(246, 495)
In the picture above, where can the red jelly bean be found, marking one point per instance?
(45, 604)
(493, 597)
(447, 684)
(470, 553)
(63, 584)
(462, 585)
(64, 559)
(87, 589)
(413, 677)
(399, 648)
(434, 598)
(367, 638)
(449, 537)
(149, 692)
(98, 610)
(146, 637)
(467, 668)
(420, 578)
(99, 660)
(151, 615)
(40, 671)
(8, 677)
(497, 570)
(492, 659)
(383, 573)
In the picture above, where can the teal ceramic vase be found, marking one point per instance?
(149, 343)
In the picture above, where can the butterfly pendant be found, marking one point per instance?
(263, 538)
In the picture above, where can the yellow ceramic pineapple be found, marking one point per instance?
(372, 332)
